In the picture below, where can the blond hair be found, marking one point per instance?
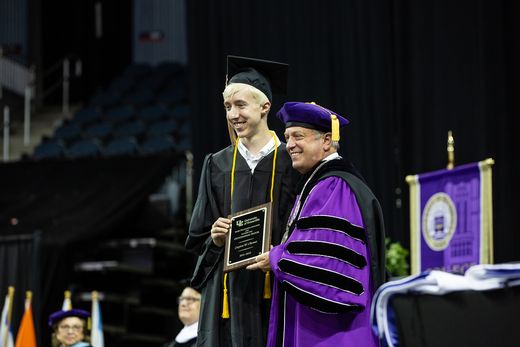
(233, 88)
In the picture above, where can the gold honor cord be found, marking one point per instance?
(267, 278)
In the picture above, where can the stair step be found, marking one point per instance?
(161, 292)
(141, 340)
(153, 320)
(155, 311)
(108, 297)
(110, 266)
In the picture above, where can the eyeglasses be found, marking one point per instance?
(189, 299)
(75, 328)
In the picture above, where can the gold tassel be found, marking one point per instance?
(225, 304)
(267, 285)
(335, 128)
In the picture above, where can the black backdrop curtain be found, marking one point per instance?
(403, 72)
(19, 259)
(74, 204)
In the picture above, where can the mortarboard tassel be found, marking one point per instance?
(335, 128)
(225, 304)
(267, 285)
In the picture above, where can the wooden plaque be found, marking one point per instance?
(248, 236)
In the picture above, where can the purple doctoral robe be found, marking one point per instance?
(323, 286)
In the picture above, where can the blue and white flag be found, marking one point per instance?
(96, 336)
(6, 333)
(451, 218)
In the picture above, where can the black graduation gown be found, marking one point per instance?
(190, 343)
(249, 312)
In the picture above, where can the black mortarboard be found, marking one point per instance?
(270, 77)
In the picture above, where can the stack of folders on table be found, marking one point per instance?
(477, 277)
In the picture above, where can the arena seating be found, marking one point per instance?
(143, 111)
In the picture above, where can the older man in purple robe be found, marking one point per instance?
(331, 259)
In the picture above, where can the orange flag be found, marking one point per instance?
(26, 335)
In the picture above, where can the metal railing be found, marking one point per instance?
(19, 79)
(61, 70)
(22, 80)
(6, 133)
(189, 185)
(15, 76)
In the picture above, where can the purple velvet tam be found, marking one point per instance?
(308, 115)
(57, 316)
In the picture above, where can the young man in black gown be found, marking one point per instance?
(253, 170)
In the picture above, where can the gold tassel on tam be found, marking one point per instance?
(335, 128)
(225, 303)
(267, 285)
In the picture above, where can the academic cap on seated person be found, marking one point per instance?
(57, 316)
(269, 77)
(312, 116)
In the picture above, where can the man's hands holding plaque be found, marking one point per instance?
(219, 231)
(261, 262)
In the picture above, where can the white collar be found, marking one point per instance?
(331, 156)
(187, 333)
(253, 160)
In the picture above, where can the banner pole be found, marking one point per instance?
(451, 151)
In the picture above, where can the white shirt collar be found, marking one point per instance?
(187, 333)
(331, 156)
(253, 160)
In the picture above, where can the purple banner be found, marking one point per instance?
(450, 229)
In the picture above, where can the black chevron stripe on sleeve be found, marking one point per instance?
(317, 302)
(332, 223)
(327, 249)
(322, 276)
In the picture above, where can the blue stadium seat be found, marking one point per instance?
(106, 99)
(99, 131)
(183, 130)
(153, 83)
(49, 150)
(117, 147)
(130, 129)
(161, 129)
(168, 69)
(152, 114)
(139, 98)
(137, 71)
(181, 113)
(179, 81)
(157, 144)
(84, 148)
(184, 144)
(122, 85)
(67, 133)
(86, 116)
(120, 114)
(171, 97)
